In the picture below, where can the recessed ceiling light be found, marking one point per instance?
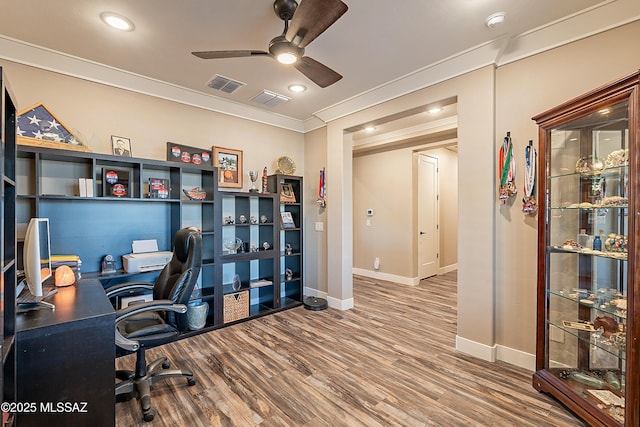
(297, 88)
(116, 21)
(496, 19)
(370, 128)
(434, 110)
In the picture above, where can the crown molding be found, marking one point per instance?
(605, 16)
(50, 60)
(609, 14)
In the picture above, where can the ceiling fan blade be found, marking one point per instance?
(318, 73)
(311, 18)
(217, 54)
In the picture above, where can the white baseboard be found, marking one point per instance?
(386, 276)
(315, 293)
(476, 349)
(346, 304)
(516, 357)
(496, 352)
(448, 268)
(340, 304)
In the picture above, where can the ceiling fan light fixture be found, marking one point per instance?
(284, 51)
(116, 21)
(287, 58)
(297, 88)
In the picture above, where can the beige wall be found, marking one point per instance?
(474, 92)
(524, 89)
(94, 112)
(315, 242)
(497, 245)
(384, 182)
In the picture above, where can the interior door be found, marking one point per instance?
(427, 216)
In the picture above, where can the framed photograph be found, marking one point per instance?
(115, 182)
(286, 193)
(120, 146)
(185, 154)
(287, 220)
(159, 188)
(229, 163)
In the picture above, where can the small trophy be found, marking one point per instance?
(253, 175)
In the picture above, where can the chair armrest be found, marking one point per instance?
(128, 288)
(143, 307)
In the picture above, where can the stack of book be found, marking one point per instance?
(72, 261)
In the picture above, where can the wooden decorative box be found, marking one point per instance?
(236, 306)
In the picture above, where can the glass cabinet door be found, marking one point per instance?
(586, 256)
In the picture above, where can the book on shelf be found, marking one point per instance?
(287, 220)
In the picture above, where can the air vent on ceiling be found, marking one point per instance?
(224, 84)
(269, 98)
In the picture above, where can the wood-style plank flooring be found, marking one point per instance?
(390, 361)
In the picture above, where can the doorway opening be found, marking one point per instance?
(387, 243)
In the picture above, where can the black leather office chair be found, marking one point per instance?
(153, 323)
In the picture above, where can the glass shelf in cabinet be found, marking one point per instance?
(621, 256)
(620, 352)
(592, 207)
(606, 308)
(607, 172)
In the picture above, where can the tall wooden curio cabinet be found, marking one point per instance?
(588, 327)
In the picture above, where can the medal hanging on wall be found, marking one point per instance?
(507, 165)
(529, 203)
(321, 200)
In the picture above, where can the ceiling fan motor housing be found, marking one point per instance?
(280, 45)
(285, 8)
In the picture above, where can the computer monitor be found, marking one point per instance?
(37, 255)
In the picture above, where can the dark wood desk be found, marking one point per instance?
(68, 356)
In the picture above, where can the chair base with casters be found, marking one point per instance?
(138, 383)
(149, 324)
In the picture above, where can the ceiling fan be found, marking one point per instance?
(308, 20)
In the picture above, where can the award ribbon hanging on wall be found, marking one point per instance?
(321, 200)
(507, 170)
(529, 204)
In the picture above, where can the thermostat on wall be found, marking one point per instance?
(369, 212)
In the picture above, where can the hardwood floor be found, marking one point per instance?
(390, 361)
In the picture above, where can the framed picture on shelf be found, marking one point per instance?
(286, 193)
(120, 146)
(184, 154)
(115, 182)
(229, 163)
(287, 220)
(159, 188)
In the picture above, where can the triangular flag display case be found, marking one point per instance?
(39, 127)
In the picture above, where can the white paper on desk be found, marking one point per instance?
(140, 246)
